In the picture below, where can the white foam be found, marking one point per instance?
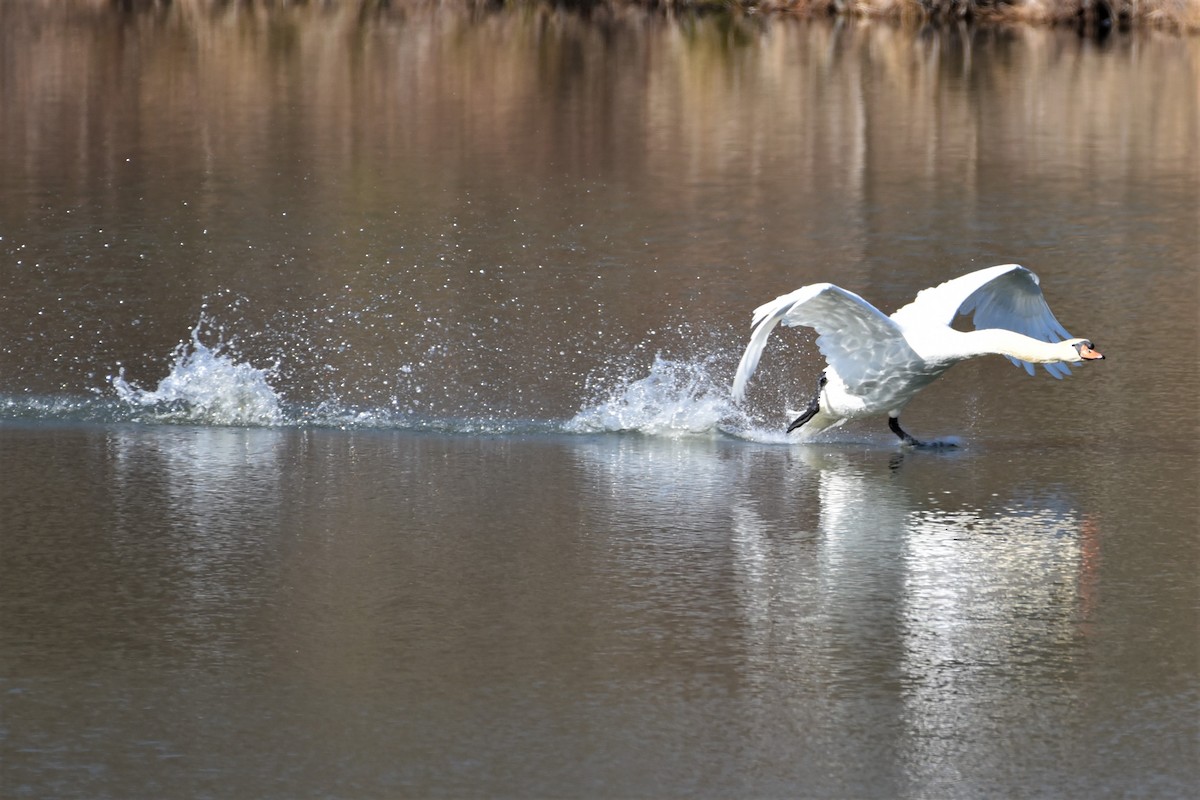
(206, 385)
(676, 398)
(692, 398)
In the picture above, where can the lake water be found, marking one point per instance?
(365, 427)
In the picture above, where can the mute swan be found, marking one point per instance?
(878, 363)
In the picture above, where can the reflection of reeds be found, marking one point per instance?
(1092, 15)
(472, 84)
(811, 149)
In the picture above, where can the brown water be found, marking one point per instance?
(365, 427)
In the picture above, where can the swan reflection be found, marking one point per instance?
(932, 593)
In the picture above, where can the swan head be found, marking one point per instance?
(1084, 350)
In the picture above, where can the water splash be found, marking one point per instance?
(677, 398)
(206, 386)
(211, 383)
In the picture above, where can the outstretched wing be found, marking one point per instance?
(1008, 297)
(855, 337)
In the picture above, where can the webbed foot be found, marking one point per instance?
(912, 441)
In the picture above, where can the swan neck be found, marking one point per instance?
(996, 341)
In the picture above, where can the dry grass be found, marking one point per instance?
(1181, 16)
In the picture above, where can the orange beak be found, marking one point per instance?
(1089, 353)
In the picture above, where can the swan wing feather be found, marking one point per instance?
(1007, 297)
(855, 337)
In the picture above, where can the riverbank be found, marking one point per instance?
(1093, 17)
(1179, 15)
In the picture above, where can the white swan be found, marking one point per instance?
(878, 363)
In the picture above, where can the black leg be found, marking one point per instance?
(894, 424)
(814, 406)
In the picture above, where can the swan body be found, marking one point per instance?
(877, 363)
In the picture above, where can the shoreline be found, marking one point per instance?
(1095, 18)
(1089, 16)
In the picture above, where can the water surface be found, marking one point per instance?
(366, 432)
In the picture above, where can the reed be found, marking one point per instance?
(1179, 15)
(1100, 16)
